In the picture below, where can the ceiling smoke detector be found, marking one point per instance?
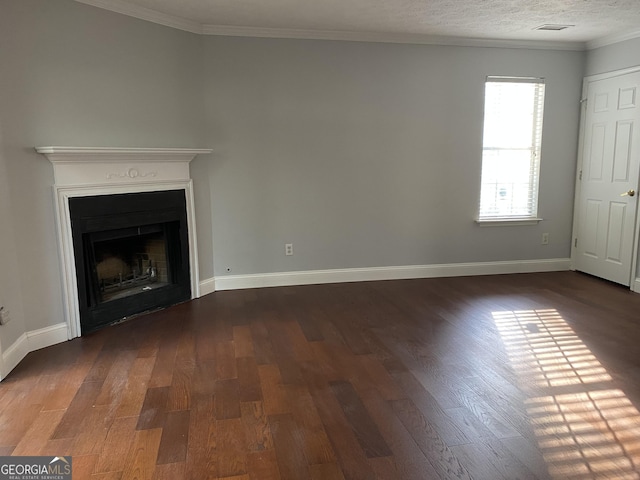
(553, 27)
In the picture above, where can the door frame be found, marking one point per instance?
(634, 278)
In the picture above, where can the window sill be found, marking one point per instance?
(508, 222)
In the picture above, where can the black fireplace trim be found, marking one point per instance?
(95, 216)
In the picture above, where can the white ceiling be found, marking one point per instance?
(420, 21)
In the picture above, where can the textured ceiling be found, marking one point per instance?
(482, 19)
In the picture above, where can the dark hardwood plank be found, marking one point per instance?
(71, 423)
(408, 461)
(162, 374)
(263, 465)
(261, 343)
(242, 341)
(231, 454)
(117, 445)
(380, 377)
(292, 462)
(175, 434)
(225, 361)
(326, 471)
(154, 409)
(83, 465)
(227, 399)
(63, 386)
(141, 459)
(361, 422)
(274, 395)
(135, 390)
(248, 380)
(314, 441)
(310, 326)
(179, 395)
(169, 471)
(180, 390)
(300, 347)
(116, 378)
(426, 437)
(430, 408)
(201, 461)
(384, 467)
(38, 433)
(351, 457)
(94, 430)
(492, 460)
(258, 434)
(61, 446)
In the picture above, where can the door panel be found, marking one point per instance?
(597, 151)
(591, 228)
(622, 153)
(616, 232)
(627, 98)
(606, 218)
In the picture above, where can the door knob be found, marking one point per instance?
(630, 193)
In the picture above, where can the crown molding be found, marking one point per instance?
(120, 6)
(611, 39)
(147, 14)
(261, 32)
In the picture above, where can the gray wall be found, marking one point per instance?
(613, 57)
(77, 75)
(10, 293)
(366, 154)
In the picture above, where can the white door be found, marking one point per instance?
(608, 191)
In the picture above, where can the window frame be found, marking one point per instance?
(533, 190)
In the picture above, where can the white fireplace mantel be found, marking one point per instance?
(88, 171)
(85, 154)
(103, 165)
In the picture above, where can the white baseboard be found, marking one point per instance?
(635, 285)
(281, 279)
(207, 286)
(45, 337)
(14, 354)
(31, 341)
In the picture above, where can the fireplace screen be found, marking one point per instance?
(132, 254)
(131, 264)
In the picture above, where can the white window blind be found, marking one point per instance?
(511, 148)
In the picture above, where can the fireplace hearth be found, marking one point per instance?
(131, 254)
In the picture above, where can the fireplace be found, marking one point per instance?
(131, 254)
(126, 231)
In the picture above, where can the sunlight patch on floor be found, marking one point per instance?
(585, 428)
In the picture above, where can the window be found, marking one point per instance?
(513, 109)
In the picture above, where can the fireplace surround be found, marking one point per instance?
(131, 253)
(126, 177)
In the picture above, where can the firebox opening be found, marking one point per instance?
(131, 264)
(132, 254)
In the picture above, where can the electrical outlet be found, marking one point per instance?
(545, 239)
(4, 316)
(288, 249)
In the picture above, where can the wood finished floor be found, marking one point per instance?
(515, 376)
